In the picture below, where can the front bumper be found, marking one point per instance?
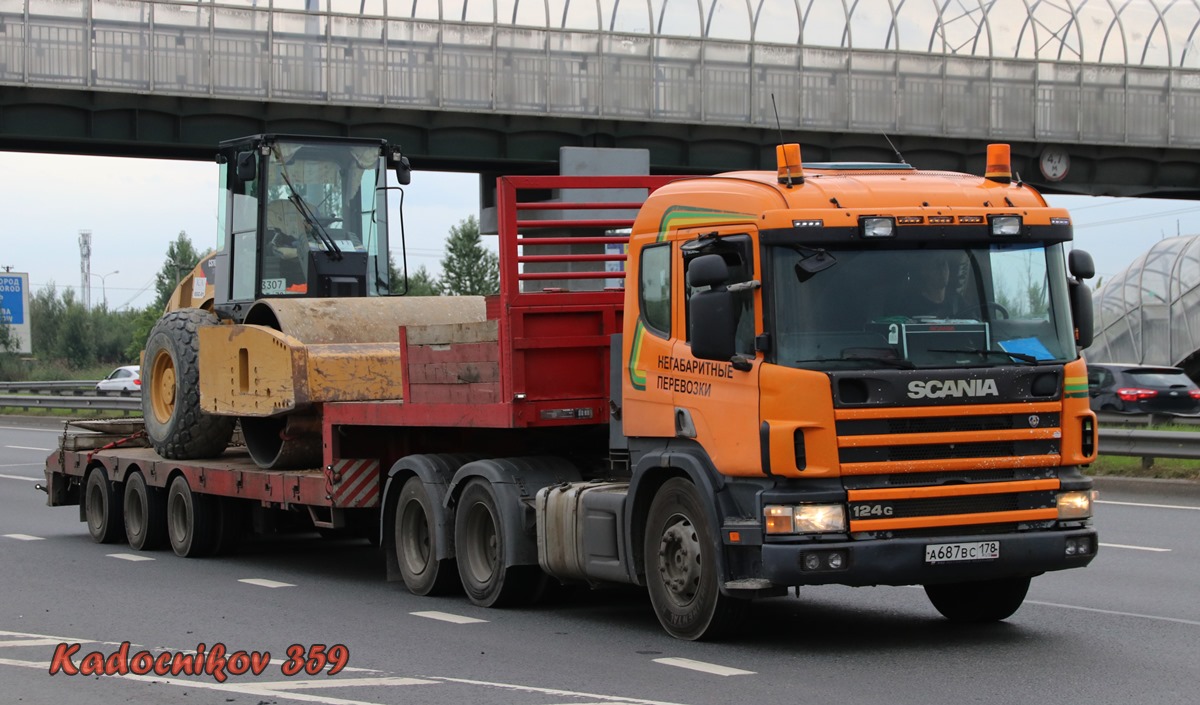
(901, 561)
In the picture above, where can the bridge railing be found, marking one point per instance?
(252, 52)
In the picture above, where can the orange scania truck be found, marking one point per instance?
(718, 388)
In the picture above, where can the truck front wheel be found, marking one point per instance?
(102, 507)
(681, 567)
(416, 543)
(982, 601)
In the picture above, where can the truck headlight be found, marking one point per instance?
(1075, 505)
(804, 518)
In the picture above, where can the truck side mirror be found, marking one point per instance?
(247, 166)
(1081, 312)
(713, 324)
(707, 270)
(403, 171)
(711, 311)
(1080, 264)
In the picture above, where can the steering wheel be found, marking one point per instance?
(985, 307)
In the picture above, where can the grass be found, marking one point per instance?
(1162, 468)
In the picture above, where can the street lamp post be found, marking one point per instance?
(103, 288)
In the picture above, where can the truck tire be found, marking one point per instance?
(480, 546)
(416, 543)
(175, 424)
(191, 520)
(102, 507)
(977, 602)
(681, 567)
(145, 514)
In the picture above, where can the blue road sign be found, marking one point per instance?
(12, 300)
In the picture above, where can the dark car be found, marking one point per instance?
(1141, 389)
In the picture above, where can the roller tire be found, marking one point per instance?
(681, 567)
(145, 510)
(103, 507)
(177, 427)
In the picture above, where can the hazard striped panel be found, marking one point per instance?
(353, 483)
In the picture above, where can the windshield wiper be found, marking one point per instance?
(331, 248)
(885, 361)
(983, 353)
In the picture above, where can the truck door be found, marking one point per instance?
(715, 403)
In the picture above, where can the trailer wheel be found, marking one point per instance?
(102, 507)
(681, 567)
(480, 544)
(977, 602)
(145, 514)
(191, 520)
(177, 427)
(416, 543)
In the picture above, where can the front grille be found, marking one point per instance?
(964, 504)
(946, 424)
(947, 451)
(954, 477)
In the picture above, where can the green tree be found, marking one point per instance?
(73, 342)
(468, 267)
(182, 256)
(420, 282)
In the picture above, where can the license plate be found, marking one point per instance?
(950, 552)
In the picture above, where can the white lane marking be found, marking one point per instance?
(263, 582)
(343, 683)
(45, 450)
(703, 667)
(48, 636)
(130, 557)
(1175, 620)
(1136, 548)
(1151, 506)
(447, 617)
(23, 537)
(51, 641)
(553, 691)
(22, 477)
(57, 432)
(21, 465)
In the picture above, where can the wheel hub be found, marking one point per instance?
(679, 559)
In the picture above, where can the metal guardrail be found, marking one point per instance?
(51, 401)
(70, 386)
(1150, 444)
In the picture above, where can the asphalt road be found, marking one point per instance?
(1122, 630)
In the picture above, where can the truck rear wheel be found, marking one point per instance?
(191, 520)
(102, 507)
(177, 427)
(480, 544)
(681, 567)
(145, 514)
(983, 601)
(416, 543)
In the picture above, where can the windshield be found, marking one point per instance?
(322, 198)
(996, 304)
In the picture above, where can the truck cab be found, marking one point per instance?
(870, 373)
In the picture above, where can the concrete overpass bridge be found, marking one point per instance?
(1096, 96)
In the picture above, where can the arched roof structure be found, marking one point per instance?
(1149, 33)
(1150, 313)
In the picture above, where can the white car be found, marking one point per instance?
(122, 379)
